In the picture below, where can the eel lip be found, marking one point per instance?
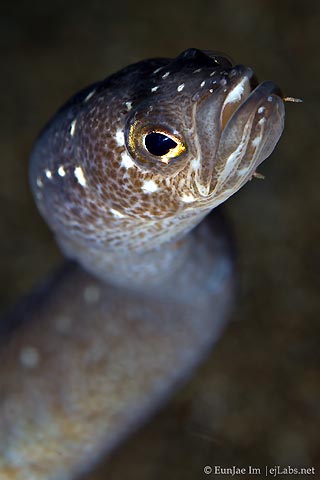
(242, 82)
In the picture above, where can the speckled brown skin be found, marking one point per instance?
(109, 219)
(96, 354)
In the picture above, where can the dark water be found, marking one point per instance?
(257, 399)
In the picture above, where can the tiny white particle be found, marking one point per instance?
(211, 90)
(261, 109)
(39, 182)
(262, 121)
(126, 161)
(119, 138)
(270, 99)
(73, 127)
(89, 95)
(78, 173)
(48, 173)
(223, 81)
(181, 87)
(154, 89)
(212, 73)
(29, 357)
(116, 213)
(165, 75)
(187, 198)
(149, 186)
(157, 70)
(202, 84)
(129, 106)
(197, 70)
(91, 294)
(61, 171)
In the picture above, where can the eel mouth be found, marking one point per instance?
(243, 130)
(243, 84)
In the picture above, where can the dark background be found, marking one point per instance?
(256, 401)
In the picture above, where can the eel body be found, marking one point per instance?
(123, 174)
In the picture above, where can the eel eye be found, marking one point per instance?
(159, 144)
(163, 145)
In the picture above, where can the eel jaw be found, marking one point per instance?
(251, 123)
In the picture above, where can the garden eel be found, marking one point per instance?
(122, 174)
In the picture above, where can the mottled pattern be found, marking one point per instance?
(108, 200)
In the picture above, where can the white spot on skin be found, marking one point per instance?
(197, 70)
(236, 93)
(89, 96)
(78, 173)
(149, 186)
(211, 90)
(157, 70)
(39, 182)
(154, 89)
(262, 121)
(270, 99)
(165, 75)
(188, 198)
(129, 106)
(243, 171)
(212, 73)
(61, 171)
(126, 161)
(182, 183)
(116, 213)
(119, 138)
(29, 357)
(255, 142)
(261, 110)
(181, 87)
(73, 127)
(202, 84)
(91, 294)
(195, 164)
(48, 173)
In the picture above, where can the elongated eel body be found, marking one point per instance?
(123, 174)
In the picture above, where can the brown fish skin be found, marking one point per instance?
(110, 201)
(95, 353)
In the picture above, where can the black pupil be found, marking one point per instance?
(159, 144)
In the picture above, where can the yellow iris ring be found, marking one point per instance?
(134, 140)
